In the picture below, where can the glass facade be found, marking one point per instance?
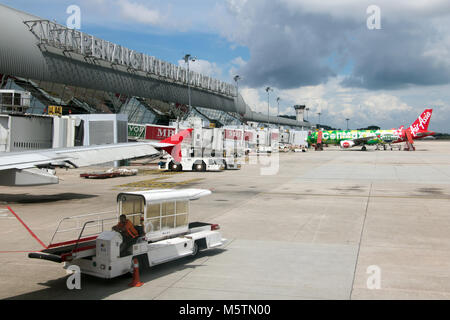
(77, 100)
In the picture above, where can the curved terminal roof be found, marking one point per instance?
(30, 51)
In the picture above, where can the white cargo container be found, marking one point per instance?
(233, 149)
(298, 138)
(274, 136)
(250, 141)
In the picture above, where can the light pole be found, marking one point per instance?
(236, 79)
(319, 113)
(188, 58)
(278, 111)
(307, 118)
(268, 89)
(347, 122)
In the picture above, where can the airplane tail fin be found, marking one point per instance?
(421, 124)
(175, 148)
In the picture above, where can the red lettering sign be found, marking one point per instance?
(233, 134)
(158, 133)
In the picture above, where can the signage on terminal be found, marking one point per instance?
(158, 133)
(72, 40)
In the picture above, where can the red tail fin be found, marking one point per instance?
(421, 124)
(175, 140)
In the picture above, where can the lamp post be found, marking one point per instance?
(347, 122)
(236, 79)
(268, 89)
(278, 111)
(319, 113)
(188, 58)
(307, 118)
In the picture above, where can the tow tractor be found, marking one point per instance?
(161, 218)
(188, 163)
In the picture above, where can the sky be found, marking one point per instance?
(379, 65)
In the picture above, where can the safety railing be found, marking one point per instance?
(98, 223)
(69, 228)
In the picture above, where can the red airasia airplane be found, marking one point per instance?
(418, 130)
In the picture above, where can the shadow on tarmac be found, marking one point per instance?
(93, 288)
(42, 198)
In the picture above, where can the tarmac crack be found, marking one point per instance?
(360, 240)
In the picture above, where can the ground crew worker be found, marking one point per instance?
(129, 233)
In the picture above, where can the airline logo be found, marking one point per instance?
(421, 124)
(340, 135)
(158, 133)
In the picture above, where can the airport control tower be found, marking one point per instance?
(300, 112)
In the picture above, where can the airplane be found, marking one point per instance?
(353, 138)
(35, 168)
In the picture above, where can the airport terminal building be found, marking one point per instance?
(84, 74)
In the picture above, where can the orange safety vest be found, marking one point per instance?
(128, 228)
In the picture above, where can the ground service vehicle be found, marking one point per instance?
(161, 218)
(200, 151)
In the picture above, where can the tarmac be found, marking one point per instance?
(332, 224)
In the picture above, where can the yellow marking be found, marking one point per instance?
(155, 184)
(156, 171)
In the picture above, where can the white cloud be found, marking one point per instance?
(236, 64)
(257, 100)
(387, 109)
(238, 61)
(140, 13)
(204, 67)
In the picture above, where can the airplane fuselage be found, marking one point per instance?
(379, 136)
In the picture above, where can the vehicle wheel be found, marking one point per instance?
(200, 167)
(225, 164)
(363, 148)
(195, 250)
(143, 262)
(177, 167)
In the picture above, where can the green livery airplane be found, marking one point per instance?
(352, 138)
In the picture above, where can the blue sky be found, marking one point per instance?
(169, 45)
(316, 53)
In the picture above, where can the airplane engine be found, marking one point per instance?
(347, 144)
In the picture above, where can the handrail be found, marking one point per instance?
(98, 224)
(74, 218)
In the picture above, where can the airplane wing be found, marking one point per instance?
(31, 168)
(362, 140)
(77, 157)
